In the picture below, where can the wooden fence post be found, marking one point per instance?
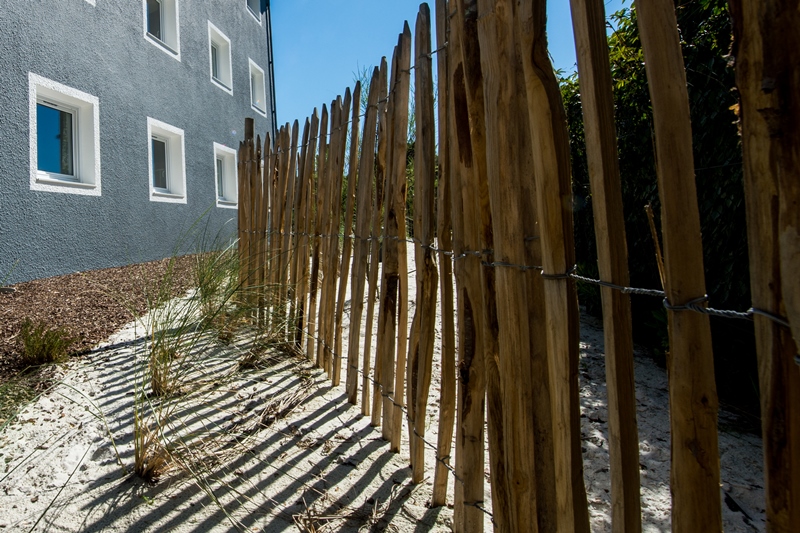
(333, 229)
(690, 366)
(597, 100)
(347, 228)
(295, 297)
(315, 258)
(290, 181)
(551, 163)
(325, 337)
(376, 245)
(466, 129)
(421, 356)
(779, 378)
(392, 332)
(364, 195)
(447, 397)
(306, 228)
(398, 166)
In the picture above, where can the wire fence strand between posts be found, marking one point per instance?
(693, 305)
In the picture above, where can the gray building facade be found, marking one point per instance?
(119, 124)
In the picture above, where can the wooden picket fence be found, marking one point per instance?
(491, 210)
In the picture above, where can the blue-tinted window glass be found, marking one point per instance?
(54, 140)
(154, 18)
(159, 164)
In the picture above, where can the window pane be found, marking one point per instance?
(220, 179)
(159, 164)
(54, 140)
(154, 18)
(214, 64)
(254, 5)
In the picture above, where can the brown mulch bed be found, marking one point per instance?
(89, 305)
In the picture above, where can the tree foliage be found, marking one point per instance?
(705, 34)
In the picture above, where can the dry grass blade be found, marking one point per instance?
(151, 458)
(312, 521)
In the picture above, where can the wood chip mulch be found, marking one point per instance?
(89, 305)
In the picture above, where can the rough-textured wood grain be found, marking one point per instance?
(317, 240)
(347, 229)
(458, 121)
(550, 149)
(387, 311)
(306, 228)
(326, 191)
(693, 396)
(421, 356)
(780, 29)
(509, 175)
(287, 252)
(335, 205)
(365, 191)
(779, 378)
(392, 322)
(375, 250)
(447, 394)
(296, 230)
(597, 100)
(331, 231)
(279, 213)
(468, 175)
(398, 167)
(261, 232)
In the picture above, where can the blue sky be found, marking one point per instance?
(320, 45)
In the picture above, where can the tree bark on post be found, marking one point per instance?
(551, 160)
(375, 250)
(364, 194)
(597, 100)
(779, 378)
(317, 240)
(693, 397)
(447, 397)
(471, 370)
(421, 355)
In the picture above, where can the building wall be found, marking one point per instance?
(99, 47)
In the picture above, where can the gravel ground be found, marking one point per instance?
(89, 306)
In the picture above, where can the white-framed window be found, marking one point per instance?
(225, 176)
(219, 56)
(161, 25)
(166, 162)
(258, 89)
(254, 7)
(64, 131)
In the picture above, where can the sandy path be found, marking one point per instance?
(321, 462)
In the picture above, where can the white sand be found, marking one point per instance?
(58, 465)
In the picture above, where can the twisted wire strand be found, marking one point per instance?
(694, 305)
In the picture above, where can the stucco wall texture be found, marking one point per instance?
(101, 50)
